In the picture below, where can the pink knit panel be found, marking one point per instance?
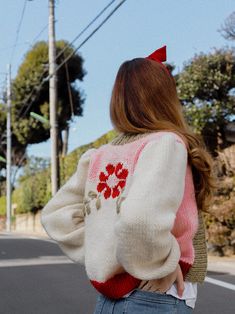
(186, 222)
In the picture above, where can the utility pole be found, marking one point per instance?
(53, 101)
(8, 209)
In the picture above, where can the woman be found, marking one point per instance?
(131, 213)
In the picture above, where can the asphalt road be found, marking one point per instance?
(36, 278)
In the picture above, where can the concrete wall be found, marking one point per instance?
(26, 223)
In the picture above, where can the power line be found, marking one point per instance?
(14, 46)
(83, 31)
(37, 88)
(87, 38)
(67, 46)
(65, 61)
(39, 34)
(18, 30)
(69, 90)
(34, 92)
(30, 44)
(26, 42)
(41, 77)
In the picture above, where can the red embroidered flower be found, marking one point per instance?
(114, 181)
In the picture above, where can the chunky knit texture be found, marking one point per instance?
(128, 213)
(197, 272)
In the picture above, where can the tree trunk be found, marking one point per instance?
(65, 142)
(60, 142)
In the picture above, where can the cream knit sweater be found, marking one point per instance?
(130, 229)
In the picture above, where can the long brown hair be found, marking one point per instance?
(144, 99)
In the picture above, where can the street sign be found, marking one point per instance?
(39, 118)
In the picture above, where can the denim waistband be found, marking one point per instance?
(153, 296)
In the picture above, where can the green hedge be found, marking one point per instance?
(2, 205)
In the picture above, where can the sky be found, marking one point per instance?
(186, 27)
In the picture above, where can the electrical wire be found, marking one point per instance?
(39, 34)
(83, 31)
(69, 90)
(31, 44)
(38, 87)
(18, 31)
(86, 39)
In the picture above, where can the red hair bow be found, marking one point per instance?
(159, 55)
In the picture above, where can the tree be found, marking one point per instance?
(228, 28)
(27, 98)
(206, 89)
(34, 185)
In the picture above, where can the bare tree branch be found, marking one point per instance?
(227, 30)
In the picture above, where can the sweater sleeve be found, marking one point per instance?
(63, 217)
(146, 247)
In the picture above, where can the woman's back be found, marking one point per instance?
(134, 194)
(130, 212)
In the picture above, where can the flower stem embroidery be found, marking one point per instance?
(87, 208)
(98, 203)
(118, 203)
(92, 194)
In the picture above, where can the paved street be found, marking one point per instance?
(36, 278)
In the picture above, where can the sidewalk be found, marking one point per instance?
(221, 264)
(38, 235)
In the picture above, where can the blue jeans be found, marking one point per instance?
(142, 302)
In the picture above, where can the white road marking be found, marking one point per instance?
(24, 236)
(41, 260)
(220, 283)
